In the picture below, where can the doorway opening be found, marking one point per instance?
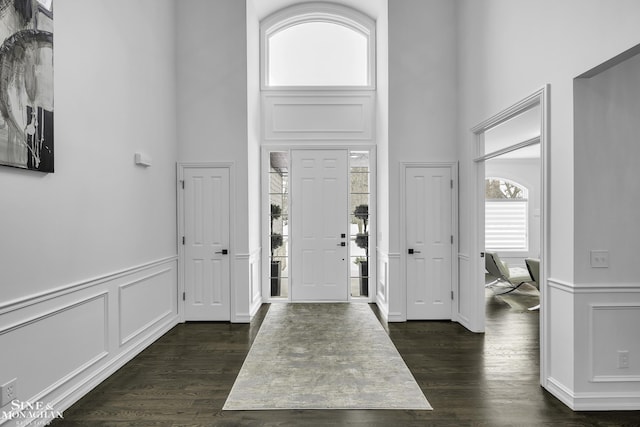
(511, 206)
(318, 224)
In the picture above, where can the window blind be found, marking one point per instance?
(506, 225)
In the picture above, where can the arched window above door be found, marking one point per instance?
(318, 46)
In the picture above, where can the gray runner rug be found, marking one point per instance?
(324, 356)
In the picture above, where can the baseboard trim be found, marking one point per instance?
(593, 401)
(560, 391)
(395, 317)
(384, 310)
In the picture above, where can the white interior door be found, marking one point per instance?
(319, 225)
(206, 260)
(428, 211)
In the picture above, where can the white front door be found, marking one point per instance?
(206, 260)
(428, 210)
(319, 225)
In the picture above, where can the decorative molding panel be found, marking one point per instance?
(466, 304)
(56, 345)
(383, 278)
(307, 116)
(605, 346)
(255, 279)
(156, 292)
(66, 341)
(593, 324)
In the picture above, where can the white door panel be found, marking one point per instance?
(206, 225)
(428, 235)
(319, 198)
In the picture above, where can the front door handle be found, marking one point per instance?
(223, 252)
(411, 252)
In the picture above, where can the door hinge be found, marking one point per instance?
(451, 184)
(451, 295)
(452, 239)
(182, 183)
(183, 240)
(184, 296)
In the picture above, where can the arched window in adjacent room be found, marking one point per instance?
(318, 45)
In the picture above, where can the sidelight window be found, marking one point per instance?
(360, 219)
(279, 223)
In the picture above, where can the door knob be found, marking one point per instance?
(223, 252)
(411, 252)
(341, 244)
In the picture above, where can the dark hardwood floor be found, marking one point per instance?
(470, 379)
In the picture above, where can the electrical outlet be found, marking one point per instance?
(599, 259)
(8, 392)
(623, 359)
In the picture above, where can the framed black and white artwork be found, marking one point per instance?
(26, 84)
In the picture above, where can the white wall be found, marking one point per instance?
(253, 152)
(382, 156)
(607, 178)
(99, 212)
(213, 118)
(422, 107)
(508, 50)
(607, 187)
(84, 248)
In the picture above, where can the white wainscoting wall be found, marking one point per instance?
(396, 294)
(382, 288)
(590, 325)
(247, 294)
(467, 301)
(255, 280)
(60, 345)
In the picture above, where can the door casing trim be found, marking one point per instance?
(477, 322)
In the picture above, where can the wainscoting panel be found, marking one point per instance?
(59, 345)
(383, 278)
(55, 346)
(318, 116)
(156, 292)
(615, 349)
(396, 294)
(466, 300)
(256, 275)
(246, 300)
(594, 345)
